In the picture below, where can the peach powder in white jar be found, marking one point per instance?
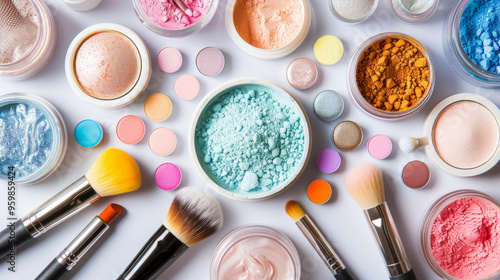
(466, 134)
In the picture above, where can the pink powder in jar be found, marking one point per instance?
(465, 239)
(168, 15)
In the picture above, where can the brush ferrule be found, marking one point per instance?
(161, 250)
(388, 239)
(82, 243)
(318, 241)
(63, 205)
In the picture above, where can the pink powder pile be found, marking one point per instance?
(166, 14)
(268, 24)
(465, 239)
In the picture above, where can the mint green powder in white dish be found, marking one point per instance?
(248, 141)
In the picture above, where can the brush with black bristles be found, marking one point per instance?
(364, 183)
(114, 172)
(317, 240)
(193, 216)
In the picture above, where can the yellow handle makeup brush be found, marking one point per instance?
(364, 183)
(114, 172)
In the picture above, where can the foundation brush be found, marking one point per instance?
(193, 216)
(317, 240)
(59, 268)
(114, 172)
(364, 183)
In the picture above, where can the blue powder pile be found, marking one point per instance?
(251, 142)
(480, 33)
(26, 139)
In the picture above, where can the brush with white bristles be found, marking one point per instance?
(317, 240)
(364, 183)
(193, 216)
(114, 172)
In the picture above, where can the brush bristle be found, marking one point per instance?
(194, 215)
(294, 210)
(114, 172)
(364, 183)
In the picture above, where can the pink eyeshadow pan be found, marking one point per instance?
(169, 60)
(466, 134)
(162, 141)
(302, 73)
(187, 87)
(210, 61)
(130, 130)
(168, 176)
(379, 146)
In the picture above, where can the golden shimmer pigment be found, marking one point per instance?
(107, 65)
(270, 24)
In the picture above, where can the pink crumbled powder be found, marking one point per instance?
(465, 239)
(168, 15)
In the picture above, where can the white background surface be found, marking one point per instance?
(341, 220)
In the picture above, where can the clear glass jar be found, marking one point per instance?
(358, 98)
(41, 52)
(255, 231)
(456, 56)
(174, 33)
(402, 13)
(353, 20)
(59, 135)
(428, 221)
(268, 53)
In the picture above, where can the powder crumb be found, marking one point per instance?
(465, 239)
(353, 9)
(250, 141)
(268, 24)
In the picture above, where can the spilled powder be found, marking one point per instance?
(166, 14)
(268, 24)
(19, 24)
(465, 239)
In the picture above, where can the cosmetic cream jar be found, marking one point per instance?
(456, 56)
(33, 140)
(265, 244)
(82, 5)
(262, 48)
(358, 16)
(405, 14)
(38, 44)
(282, 97)
(461, 135)
(108, 65)
(355, 92)
(429, 218)
(174, 33)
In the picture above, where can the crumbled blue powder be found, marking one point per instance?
(26, 139)
(251, 142)
(479, 33)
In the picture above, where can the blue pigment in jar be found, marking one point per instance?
(32, 138)
(250, 139)
(480, 33)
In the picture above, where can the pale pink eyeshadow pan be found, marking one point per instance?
(162, 141)
(379, 146)
(302, 73)
(187, 87)
(210, 61)
(169, 60)
(466, 134)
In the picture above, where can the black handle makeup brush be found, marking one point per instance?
(114, 172)
(364, 183)
(193, 216)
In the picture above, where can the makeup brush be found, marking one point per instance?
(183, 7)
(317, 240)
(364, 183)
(69, 257)
(193, 216)
(114, 172)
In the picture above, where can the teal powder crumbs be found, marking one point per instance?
(26, 139)
(480, 33)
(251, 142)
